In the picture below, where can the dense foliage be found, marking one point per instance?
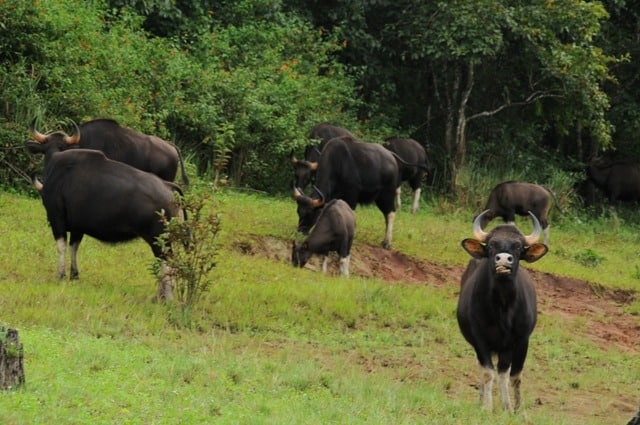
(239, 84)
(244, 91)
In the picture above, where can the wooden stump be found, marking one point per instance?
(11, 360)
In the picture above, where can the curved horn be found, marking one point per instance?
(317, 203)
(297, 193)
(37, 184)
(319, 192)
(293, 158)
(72, 140)
(535, 234)
(39, 137)
(478, 233)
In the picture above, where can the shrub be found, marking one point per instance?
(189, 247)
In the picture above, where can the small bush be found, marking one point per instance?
(189, 247)
(588, 258)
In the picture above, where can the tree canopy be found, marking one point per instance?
(239, 84)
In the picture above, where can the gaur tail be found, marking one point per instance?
(185, 179)
(175, 188)
(399, 158)
(555, 200)
(178, 189)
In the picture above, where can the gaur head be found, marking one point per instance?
(505, 246)
(300, 253)
(308, 210)
(52, 142)
(303, 170)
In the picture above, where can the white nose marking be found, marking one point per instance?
(504, 259)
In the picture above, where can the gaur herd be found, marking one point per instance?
(114, 184)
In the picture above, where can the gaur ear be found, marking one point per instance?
(474, 247)
(535, 252)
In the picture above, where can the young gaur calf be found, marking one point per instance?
(333, 231)
(497, 305)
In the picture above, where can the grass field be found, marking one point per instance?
(272, 344)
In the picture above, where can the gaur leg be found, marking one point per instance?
(389, 219)
(486, 387)
(398, 197)
(74, 243)
(167, 273)
(325, 263)
(416, 200)
(386, 205)
(503, 384)
(515, 383)
(509, 218)
(343, 254)
(504, 365)
(486, 375)
(415, 182)
(61, 244)
(519, 356)
(344, 265)
(166, 283)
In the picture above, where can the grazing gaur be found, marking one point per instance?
(142, 151)
(358, 173)
(513, 197)
(412, 163)
(84, 192)
(320, 134)
(333, 232)
(620, 181)
(497, 307)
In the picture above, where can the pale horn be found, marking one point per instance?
(72, 140)
(537, 230)
(478, 233)
(39, 137)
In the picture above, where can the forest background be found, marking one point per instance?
(531, 89)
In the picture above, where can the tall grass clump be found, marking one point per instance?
(477, 179)
(189, 249)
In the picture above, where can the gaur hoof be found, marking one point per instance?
(386, 245)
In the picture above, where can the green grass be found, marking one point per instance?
(272, 344)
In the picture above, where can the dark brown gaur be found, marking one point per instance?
(333, 232)
(515, 197)
(84, 192)
(497, 308)
(412, 165)
(142, 151)
(356, 172)
(619, 181)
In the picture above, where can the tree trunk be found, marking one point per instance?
(458, 151)
(11, 360)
